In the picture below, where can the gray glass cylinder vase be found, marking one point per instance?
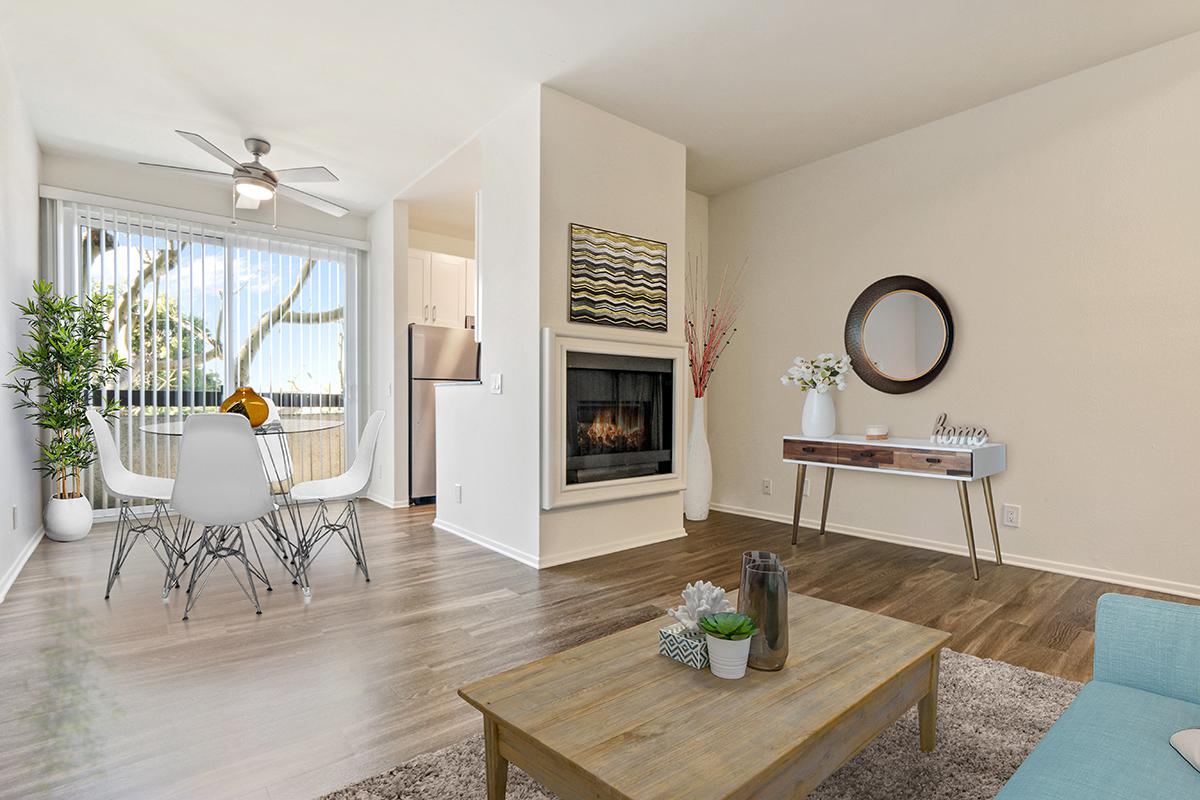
(763, 597)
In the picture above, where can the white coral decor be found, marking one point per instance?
(699, 600)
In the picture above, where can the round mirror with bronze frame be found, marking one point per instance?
(899, 333)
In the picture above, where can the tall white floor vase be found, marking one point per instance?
(820, 417)
(699, 467)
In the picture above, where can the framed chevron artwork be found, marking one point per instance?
(617, 279)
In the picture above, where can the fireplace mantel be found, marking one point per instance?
(556, 491)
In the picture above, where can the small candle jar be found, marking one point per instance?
(877, 432)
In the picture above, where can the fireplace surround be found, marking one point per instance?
(612, 416)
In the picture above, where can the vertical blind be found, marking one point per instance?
(201, 309)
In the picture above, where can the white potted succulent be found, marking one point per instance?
(728, 636)
(58, 373)
(817, 377)
(684, 641)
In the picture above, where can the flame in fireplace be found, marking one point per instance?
(614, 429)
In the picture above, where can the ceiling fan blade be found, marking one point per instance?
(305, 175)
(320, 204)
(247, 202)
(208, 172)
(209, 147)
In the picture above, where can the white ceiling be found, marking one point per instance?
(380, 91)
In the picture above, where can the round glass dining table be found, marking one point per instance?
(290, 547)
(286, 425)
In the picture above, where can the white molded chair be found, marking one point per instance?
(346, 487)
(220, 485)
(126, 485)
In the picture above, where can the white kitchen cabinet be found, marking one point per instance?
(437, 289)
(418, 279)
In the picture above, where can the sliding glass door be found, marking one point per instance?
(201, 309)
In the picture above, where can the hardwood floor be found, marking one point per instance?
(120, 699)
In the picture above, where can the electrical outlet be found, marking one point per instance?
(806, 487)
(1011, 515)
(768, 486)
(458, 492)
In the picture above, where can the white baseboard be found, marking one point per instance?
(10, 576)
(527, 559)
(386, 503)
(560, 558)
(984, 553)
(579, 554)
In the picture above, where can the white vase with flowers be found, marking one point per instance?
(817, 377)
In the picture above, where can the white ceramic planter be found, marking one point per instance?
(698, 493)
(727, 659)
(820, 417)
(67, 520)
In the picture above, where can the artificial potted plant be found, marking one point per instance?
(728, 636)
(57, 373)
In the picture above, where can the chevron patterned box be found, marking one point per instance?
(686, 647)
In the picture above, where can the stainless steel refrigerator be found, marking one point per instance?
(435, 355)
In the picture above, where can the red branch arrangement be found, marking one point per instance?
(709, 327)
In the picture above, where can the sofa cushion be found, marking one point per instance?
(1112, 743)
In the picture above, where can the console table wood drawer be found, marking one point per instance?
(802, 450)
(942, 462)
(857, 455)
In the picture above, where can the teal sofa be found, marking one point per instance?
(1112, 742)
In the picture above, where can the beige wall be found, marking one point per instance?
(20, 490)
(599, 170)
(440, 243)
(1060, 224)
(387, 350)
(488, 443)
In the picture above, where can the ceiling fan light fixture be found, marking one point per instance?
(253, 188)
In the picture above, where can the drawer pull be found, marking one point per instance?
(867, 454)
(934, 460)
(809, 449)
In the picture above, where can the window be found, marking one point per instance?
(200, 309)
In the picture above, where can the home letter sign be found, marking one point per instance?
(961, 434)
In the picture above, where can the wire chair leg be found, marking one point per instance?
(112, 561)
(356, 536)
(249, 575)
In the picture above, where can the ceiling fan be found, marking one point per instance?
(253, 182)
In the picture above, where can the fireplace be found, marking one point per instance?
(612, 419)
(618, 417)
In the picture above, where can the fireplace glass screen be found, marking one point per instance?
(618, 417)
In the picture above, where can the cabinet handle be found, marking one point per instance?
(426, 314)
(435, 312)
(934, 460)
(866, 454)
(809, 449)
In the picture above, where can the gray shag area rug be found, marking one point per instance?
(990, 716)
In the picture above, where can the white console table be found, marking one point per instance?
(917, 458)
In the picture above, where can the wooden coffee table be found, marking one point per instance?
(613, 719)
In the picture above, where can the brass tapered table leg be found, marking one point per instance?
(825, 503)
(801, 469)
(991, 509)
(966, 512)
